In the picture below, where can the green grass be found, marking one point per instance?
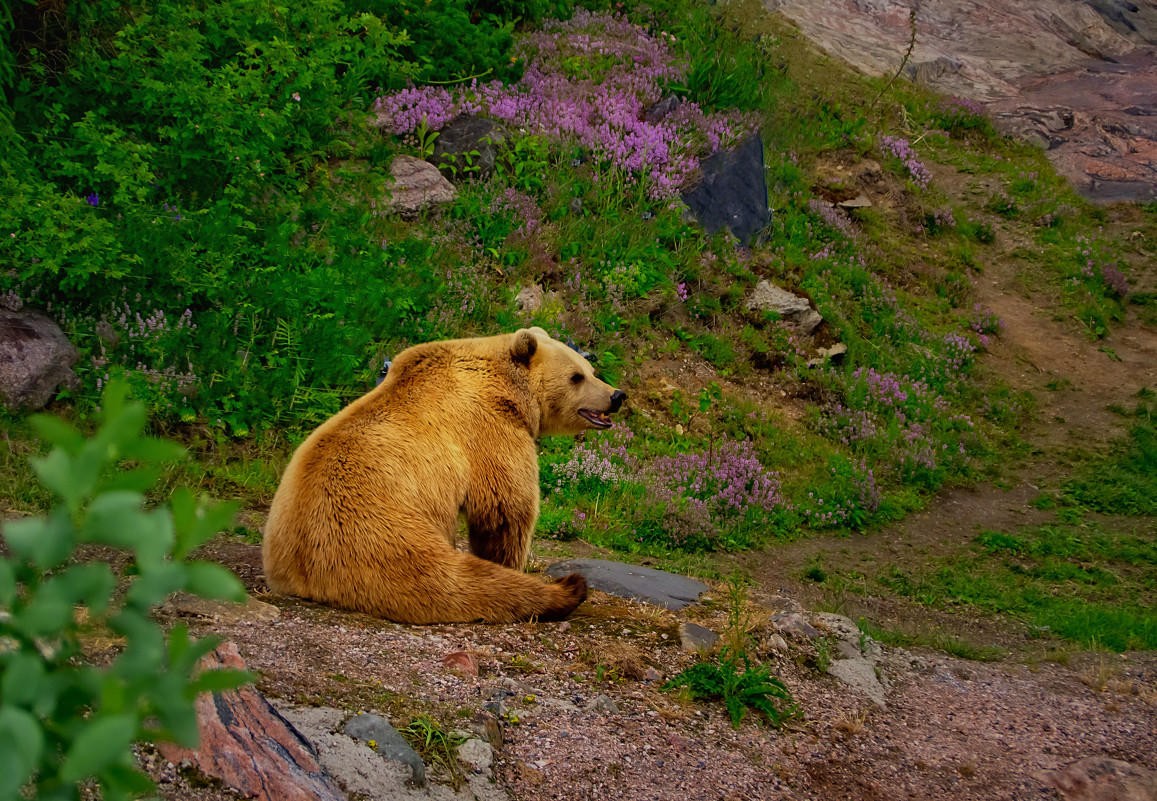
(1078, 582)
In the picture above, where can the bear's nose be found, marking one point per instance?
(617, 398)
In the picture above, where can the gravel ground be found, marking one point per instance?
(584, 716)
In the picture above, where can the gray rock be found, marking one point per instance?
(390, 744)
(529, 299)
(468, 147)
(694, 638)
(777, 643)
(36, 359)
(631, 581)
(604, 704)
(658, 111)
(858, 202)
(768, 297)
(793, 623)
(1102, 779)
(859, 674)
(477, 755)
(732, 192)
(417, 186)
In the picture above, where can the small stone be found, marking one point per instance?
(794, 624)
(390, 744)
(529, 299)
(859, 202)
(488, 727)
(650, 674)
(695, 638)
(576, 206)
(604, 704)
(777, 643)
(463, 662)
(792, 308)
(183, 604)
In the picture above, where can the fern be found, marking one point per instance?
(754, 688)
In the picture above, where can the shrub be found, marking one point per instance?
(63, 721)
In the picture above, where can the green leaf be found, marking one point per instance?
(57, 432)
(102, 742)
(55, 472)
(120, 431)
(7, 583)
(213, 581)
(21, 747)
(137, 480)
(43, 542)
(128, 781)
(22, 679)
(152, 449)
(197, 520)
(153, 586)
(91, 584)
(46, 616)
(214, 681)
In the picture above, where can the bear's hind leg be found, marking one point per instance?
(501, 533)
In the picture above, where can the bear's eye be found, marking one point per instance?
(577, 378)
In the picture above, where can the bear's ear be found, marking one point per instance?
(524, 347)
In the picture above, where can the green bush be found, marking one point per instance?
(62, 721)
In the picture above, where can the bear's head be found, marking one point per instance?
(570, 398)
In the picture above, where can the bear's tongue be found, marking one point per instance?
(597, 419)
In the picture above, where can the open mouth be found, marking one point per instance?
(596, 419)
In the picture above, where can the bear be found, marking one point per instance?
(366, 515)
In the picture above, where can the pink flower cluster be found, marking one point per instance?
(900, 149)
(588, 82)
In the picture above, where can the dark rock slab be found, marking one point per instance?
(645, 584)
(390, 744)
(249, 746)
(732, 192)
(467, 147)
(36, 359)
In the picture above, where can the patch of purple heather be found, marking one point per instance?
(900, 149)
(587, 81)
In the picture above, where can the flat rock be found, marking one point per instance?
(694, 638)
(732, 192)
(645, 584)
(796, 310)
(1102, 779)
(859, 674)
(793, 623)
(249, 746)
(183, 604)
(36, 359)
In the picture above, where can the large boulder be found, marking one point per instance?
(36, 359)
(732, 192)
(1074, 77)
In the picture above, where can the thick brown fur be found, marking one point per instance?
(367, 511)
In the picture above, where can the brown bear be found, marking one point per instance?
(367, 511)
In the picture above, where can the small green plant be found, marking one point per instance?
(436, 745)
(753, 687)
(63, 721)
